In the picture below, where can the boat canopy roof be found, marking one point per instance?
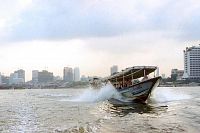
(132, 73)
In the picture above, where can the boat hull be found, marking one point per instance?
(139, 92)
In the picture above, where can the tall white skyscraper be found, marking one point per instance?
(76, 74)
(192, 62)
(114, 69)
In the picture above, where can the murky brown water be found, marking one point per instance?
(169, 110)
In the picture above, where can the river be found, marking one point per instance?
(175, 109)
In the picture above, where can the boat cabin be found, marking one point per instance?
(130, 76)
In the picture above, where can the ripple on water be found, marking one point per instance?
(22, 111)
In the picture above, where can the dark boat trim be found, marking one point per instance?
(152, 79)
(140, 91)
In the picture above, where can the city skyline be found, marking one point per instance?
(60, 74)
(94, 35)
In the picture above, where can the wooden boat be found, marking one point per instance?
(129, 84)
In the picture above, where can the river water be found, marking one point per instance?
(85, 110)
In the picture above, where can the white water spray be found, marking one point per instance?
(95, 95)
(167, 95)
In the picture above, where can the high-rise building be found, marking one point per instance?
(76, 74)
(45, 77)
(4, 80)
(21, 74)
(18, 77)
(68, 74)
(12, 79)
(192, 62)
(114, 69)
(35, 76)
(42, 77)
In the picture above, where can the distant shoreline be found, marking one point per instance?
(179, 85)
(85, 87)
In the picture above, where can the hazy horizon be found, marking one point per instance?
(94, 35)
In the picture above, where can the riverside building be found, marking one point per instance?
(21, 74)
(35, 76)
(4, 80)
(76, 74)
(18, 77)
(192, 63)
(113, 69)
(45, 76)
(177, 74)
(68, 74)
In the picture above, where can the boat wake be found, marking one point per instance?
(108, 92)
(168, 95)
(96, 95)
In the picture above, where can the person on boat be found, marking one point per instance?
(129, 83)
(120, 86)
(125, 84)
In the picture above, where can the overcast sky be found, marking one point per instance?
(96, 34)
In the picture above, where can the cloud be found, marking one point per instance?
(142, 42)
(65, 19)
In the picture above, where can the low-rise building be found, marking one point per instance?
(177, 74)
(84, 78)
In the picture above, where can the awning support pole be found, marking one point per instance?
(116, 82)
(131, 77)
(123, 80)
